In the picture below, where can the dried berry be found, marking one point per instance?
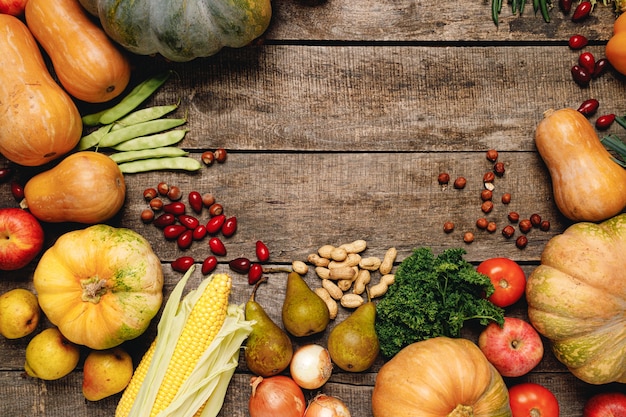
(164, 219)
(214, 225)
(255, 273)
(195, 201)
(580, 75)
(587, 61)
(199, 232)
(577, 42)
(182, 264)
(185, 239)
(605, 121)
(173, 231)
(240, 265)
(176, 208)
(208, 265)
(582, 11)
(589, 107)
(262, 252)
(188, 221)
(217, 246)
(601, 65)
(230, 226)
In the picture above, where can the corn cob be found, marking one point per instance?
(204, 320)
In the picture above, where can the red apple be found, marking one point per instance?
(513, 349)
(607, 404)
(21, 238)
(12, 7)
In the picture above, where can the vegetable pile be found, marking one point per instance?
(433, 296)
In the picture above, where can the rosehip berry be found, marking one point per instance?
(577, 42)
(587, 61)
(176, 208)
(240, 265)
(165, 219)
(195, 201)
(173, 231)
(188, 221)
(17, 190)
(589, 107)
(605, 121)
(601, 65)
(214, 225)
(582, 11)
(208, 265)
(217, 246)
(182, 264)
(581, 75)
(262, 252)
(229, 227)
(255, 273)
(185, 239)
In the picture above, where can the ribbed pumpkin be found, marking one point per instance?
(181, 30)
(100, 285)
(440, 377)
(577, 299)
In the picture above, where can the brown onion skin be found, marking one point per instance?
(276, 396)
(327, 406)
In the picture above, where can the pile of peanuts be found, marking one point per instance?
(345, 274)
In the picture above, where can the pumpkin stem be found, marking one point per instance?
(93, 289)
(462, 411)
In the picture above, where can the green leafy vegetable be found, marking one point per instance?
(433, 296)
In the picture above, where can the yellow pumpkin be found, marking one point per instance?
(100, 285)
(440, 377)
(85, 187)
(577, 299)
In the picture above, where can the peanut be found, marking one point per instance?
(351, 300)
(388, 260)
(357, 246)
(317, 260)
(330, 303)
(371, 263)
(362, 279)
(325, 251)
(343, 272)
(388, 279)
(352, 259)
(344, 284)
(332, 288)
(322, 272)
(338, 254)
(378, 290)
(299, 267)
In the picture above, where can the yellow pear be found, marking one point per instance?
(19, 313)
(106, 372)
(49, 355)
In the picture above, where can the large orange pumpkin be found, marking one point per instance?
(101, 285)
(440, 377)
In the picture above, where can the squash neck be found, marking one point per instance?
(462, 411)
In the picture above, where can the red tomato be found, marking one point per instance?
(530, 399)
(508, 279)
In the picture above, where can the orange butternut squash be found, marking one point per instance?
(587, 184)
(85, 187)
(39, 122)
(88, 64)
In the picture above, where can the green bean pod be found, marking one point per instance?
(129, 103)
(163, 152)
(183, 163)
(144, 115)
(543, 6)
(171, 137)
(140, 129)
(93, 139)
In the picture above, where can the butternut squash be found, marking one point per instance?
(85, 187)
(587, 184)
(39, 122)
(88, 64)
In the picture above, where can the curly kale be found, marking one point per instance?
(433, 296)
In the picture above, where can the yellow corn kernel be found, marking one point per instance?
(130, 393)
(204, 322)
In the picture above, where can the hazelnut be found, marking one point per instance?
(489, 177)
(147, 215)
(174, 193)
(498, 168)
(508, 231)
(535, 219)
(487, 206)
(468, 237)
(525, 226)
(506, 198)
(486, 195)
(482, 223)
(163, 188)
(220, 155)
(215, 209)
(208, 199)
(492, 227)
(513, 217)
(448, 227)
(544, 226)
(492, 155)
(156, 204)
(208, 157)
(460, 183)
(150, 193)
(521, 242)
(443, 178)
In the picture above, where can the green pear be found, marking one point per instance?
(353, 344)
(304, 313)
(268, 348)
(50, 356)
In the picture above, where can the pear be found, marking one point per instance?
(19, 313)
(106, 372)
(50, 356)
(304, 313)
(268, 348)
(353, 344)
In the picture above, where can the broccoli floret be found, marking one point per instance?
(433, 296)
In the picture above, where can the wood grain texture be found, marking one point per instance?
(337, 123)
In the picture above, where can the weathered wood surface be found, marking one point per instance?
(337, 125)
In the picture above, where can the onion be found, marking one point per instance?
(311, 366)
(326, 406)
(276, 396)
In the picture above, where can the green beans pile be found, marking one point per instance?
(143, 139)
(542, 6)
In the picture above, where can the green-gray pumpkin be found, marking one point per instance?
(577, 299)
(181, 30)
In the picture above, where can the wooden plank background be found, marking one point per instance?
(337, 124)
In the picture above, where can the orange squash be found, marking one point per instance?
(440, 377)
(85, 187)
(587, 184)
(100, 285)
(39, 122)
(88, 64)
